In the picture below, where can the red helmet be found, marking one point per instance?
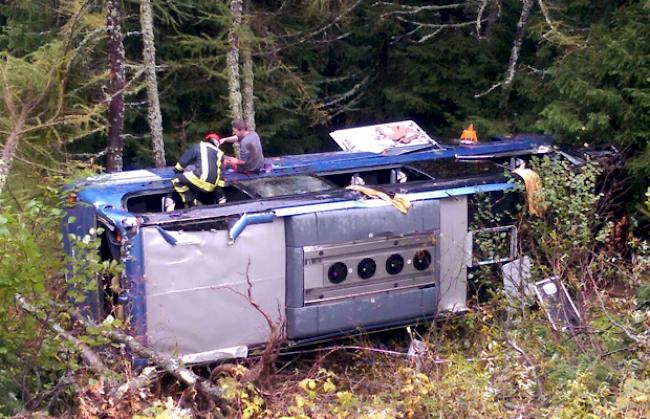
(211, 136)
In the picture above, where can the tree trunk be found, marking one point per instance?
(514, 52)
(154, 116)
(115, 143)
(248, 81)
(234, 86)
(248, 77)
(9, 149)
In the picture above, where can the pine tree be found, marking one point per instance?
(153, 101)
(115, 142)
(41, 91)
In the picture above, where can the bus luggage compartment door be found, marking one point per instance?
(195, 291)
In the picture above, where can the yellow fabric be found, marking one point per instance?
(179, 167)
(181, 189)
(533, 188)
(399, 201)
(205, 162)
(201, 184)
(220, 183)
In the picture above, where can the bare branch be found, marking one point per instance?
(506, 84)
(547, 18)
(146, 377)
(479, 18)
(494, 86)
(435, 25)
(516, 46)
(533, 70)
(272, 349)
(136, 76)
(538, 381)
(429, 36)
(329, 40)
(305, 37)
(346, 108)
(40, 166)
(350, 93)
(413, 10)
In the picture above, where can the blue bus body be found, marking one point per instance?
(293, 245)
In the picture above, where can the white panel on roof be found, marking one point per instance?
(377, 138)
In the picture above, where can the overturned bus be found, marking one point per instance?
(295, 245)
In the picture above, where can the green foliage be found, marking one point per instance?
(32, 358)
(602, 91)
(474, 367)
(25, 25)
(30, 265)
(565, 235)
(167, 409)
(46, 92)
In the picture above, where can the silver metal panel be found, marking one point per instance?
(295, 283)
(196, 290)
(351, 235)
(344, 225)
(319, 259)
(364, 224)
(557, 303)
(301, 229)
(324, 295)
(361, 313)
(428, 196)
(452, 292)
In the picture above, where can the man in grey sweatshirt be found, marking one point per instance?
(250, 148)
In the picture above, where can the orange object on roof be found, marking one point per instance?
(469, 134)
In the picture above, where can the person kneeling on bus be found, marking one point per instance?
(208, 161)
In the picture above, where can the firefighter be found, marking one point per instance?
(208, 161)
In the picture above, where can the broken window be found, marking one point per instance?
(492, 245)
(384, 176)
(270, 187)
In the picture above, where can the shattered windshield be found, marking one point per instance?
(287, 185)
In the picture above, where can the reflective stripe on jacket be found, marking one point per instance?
(207, 160)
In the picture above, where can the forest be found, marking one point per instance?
(103, 86)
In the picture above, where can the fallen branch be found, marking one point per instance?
(89, 357)
(145, 379)
(169, 364)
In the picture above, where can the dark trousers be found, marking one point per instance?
(191, 194)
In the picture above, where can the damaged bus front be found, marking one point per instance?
(296, 246)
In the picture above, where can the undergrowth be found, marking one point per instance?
(498, 360)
